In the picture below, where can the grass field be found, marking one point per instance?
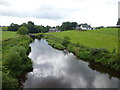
(102, 38)
(9, 34)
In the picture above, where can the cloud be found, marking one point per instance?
(4, 3)
(45, 12)
(96, 12)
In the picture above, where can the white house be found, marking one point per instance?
(83, 27)
(54, 30)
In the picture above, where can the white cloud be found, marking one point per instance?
(53, 12)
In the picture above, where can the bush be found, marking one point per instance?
(66, 41)
(22, 30)
(59, 46)
(70, 47)
(15, 61)
(8, 81)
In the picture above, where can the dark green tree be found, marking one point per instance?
(13, 27)
(118, 23)
(68, 25)
(31, 27)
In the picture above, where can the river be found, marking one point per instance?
(53, 68)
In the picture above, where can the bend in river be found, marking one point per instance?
(59, 69)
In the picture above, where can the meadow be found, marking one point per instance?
(9, 34)
(101, 38)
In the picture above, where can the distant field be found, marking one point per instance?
(102, 38)
(8, 34)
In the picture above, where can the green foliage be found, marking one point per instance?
(8, 81)
(66, 41)
(68, 25)
(15, 60)
(13, 27)
(4, 28)
(59, 46)
(32, 28)
(22, 30)
(54, 42)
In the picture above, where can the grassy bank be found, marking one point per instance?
(15, 59)
(102, 54)
(9, 34)
(101, 38)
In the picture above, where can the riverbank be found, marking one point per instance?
(97, 55)
(15, 60)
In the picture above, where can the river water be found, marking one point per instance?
(59, 69)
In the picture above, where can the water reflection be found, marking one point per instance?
(54, 68)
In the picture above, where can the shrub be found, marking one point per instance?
(66, 41)
(8, 81)
(59, 46)
(22, 30)
(15, 61)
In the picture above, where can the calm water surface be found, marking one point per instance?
(58, 69)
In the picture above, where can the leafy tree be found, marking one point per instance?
(47, 28)
(22, 30)
(68, 25)
(13, 27)
(65, 26)
(59, 27)
(73, 25)
(30, 22)
(32, 28)
(118, 23)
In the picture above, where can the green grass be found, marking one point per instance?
(9, 34)
(102, 38)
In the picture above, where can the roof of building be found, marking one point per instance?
(52, 29)
(86, 26)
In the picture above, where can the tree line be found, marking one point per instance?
(32, 28)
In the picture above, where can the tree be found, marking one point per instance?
(30, 22)
(13, 27)
(73, 25)
(118, 23)
(22, 30)
(68, 25)
(32, 28)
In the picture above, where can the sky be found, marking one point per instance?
(54, 12)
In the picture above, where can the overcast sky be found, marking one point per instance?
(54, 12)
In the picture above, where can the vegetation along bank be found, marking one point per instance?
(15, 61)
(99, 46)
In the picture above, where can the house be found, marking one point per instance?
(54, 30)
(83, 27)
